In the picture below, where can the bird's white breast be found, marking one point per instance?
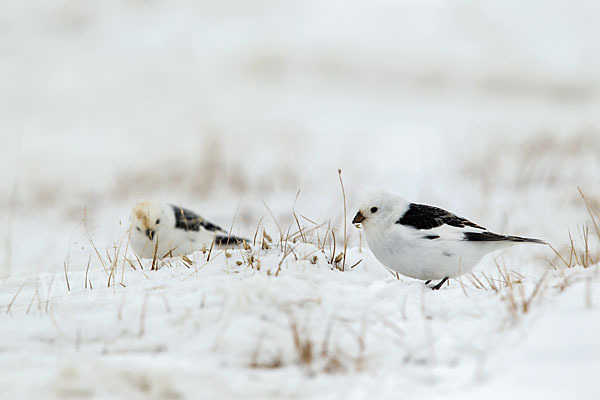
(171, 242)
(405, 250)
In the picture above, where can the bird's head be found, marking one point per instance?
(379, 209)
(148, 217)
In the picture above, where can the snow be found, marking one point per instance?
(244, 112)
(227, 331)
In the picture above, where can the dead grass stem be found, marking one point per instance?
(15, 297)
(345, 220)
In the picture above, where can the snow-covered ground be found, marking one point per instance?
(489, 109)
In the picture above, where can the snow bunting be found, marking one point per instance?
(426, 242)
(169, 231)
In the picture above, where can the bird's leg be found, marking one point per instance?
(439, 285)
(427, 282)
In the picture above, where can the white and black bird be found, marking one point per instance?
(165, 230)
(426, 242)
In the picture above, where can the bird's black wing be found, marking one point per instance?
(421, 216)
(190, 221)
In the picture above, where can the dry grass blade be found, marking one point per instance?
(154, 256)
(89, 237)
(139, 261)
(256, 232)
(110, 277)
(479, 283)
(590, 211)
(48, 294)
(169, 253)
(473, 282)
(125, 257)
(334, 245)
(586, 255)
(326, 237)
(504, 275)
(212, 244)
(567, 264)
(291, 237)
(345, 219)
(66, 276)
(490, 282)
(86, 271)
(526, 303)
(266, 240)
(15, 298)
(109, 257)
(281, 262)
(195, 271)
(35, 296)
(232, 223)
(186, 261)
(276, 223)
(304, 348)
(310, 220)
(574, 250)
(296, 218)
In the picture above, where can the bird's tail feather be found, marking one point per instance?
(525, 240)
(224, 240)
(494, 237)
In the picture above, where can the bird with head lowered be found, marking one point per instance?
(165, 230)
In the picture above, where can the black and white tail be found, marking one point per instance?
(224, 240)
(494, 237)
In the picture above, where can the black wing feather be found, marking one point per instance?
(227, 240)
(421, 216)
(494, 237)
(190, 221)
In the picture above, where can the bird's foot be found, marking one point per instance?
(439, 285)
(427, 282)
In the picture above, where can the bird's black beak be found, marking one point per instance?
(358, 218)
(150, 233)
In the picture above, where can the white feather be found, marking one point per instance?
(406, 250)
(172, 241)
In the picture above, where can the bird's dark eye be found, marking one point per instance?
(374, 210)
(158, 221)
(138, 228)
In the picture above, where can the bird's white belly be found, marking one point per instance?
(424, 258)
(171, 242)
